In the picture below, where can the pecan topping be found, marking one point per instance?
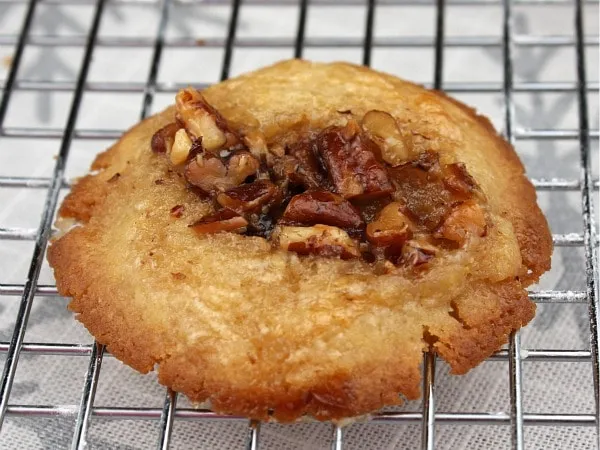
(248, 197)
(416, 253)
(382, 129)
(203, 121)
(458, 180)
(319, 240)
(465, 220)
(163, 139)
(424, 196)
(256, 144)
(212, 175)
(224, 220)
(390, 228)
(308, 171)
(322, 207)
(352, 166)
(181, 147)
(353, 191)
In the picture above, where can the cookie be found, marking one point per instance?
(290, 241)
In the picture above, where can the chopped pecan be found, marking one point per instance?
(319, 240)
(382, 128)
(466, 220)
(417, 252)
(322, 207)
(248, 197)
(256, 143)
(203, 121)
(285, 168)
(428, 161)
(210, 174)
(241, 166)
(163, 139)
(308, 171)
(423, 195)
(181, 147)
(391, 228)
(353, 168)
(223, 220)
(458, 180)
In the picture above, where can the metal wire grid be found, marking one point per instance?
(428, 417)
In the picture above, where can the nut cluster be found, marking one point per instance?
(352, 191)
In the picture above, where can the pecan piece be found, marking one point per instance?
(241, 166)
(248, 197)
(211, 174)
(458, 180)
(391, 228)
(162, 140)
(308, 172)
(256, 143)
(464, 221)
(416, 253)
(223, 220)
(382, 128)
(322, 207)
(321, 240)
(203, 121)
(351, 163)
(423, 195)
(181, 148)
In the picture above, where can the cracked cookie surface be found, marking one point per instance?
(229, 242)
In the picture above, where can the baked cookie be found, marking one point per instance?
(290, 241)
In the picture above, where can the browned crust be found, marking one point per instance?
(262, 333)
(507, 308)
(340, 395)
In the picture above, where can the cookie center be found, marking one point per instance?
(351, 191)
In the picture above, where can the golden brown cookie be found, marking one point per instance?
(290, 241)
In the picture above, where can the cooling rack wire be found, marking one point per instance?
(516, 418)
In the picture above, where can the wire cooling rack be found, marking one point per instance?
(516, 419)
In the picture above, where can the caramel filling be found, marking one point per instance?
(352, 191)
